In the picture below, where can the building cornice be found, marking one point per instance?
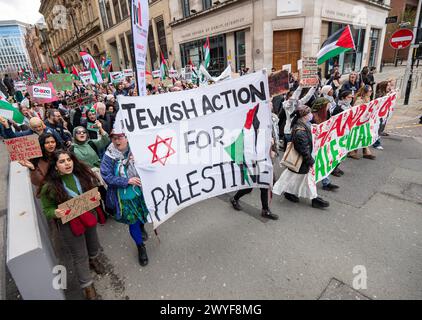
(214, 8)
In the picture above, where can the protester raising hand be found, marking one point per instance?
(27, 163)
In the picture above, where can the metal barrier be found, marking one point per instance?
(30, 255)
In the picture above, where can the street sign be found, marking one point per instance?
(389, 20)
(401, 38)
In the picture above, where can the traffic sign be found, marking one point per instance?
(401, 38)
(389, 20)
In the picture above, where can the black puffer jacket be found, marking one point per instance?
(302, 141)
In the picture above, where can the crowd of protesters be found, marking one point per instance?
(82, 151)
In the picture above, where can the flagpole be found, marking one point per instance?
(132, 53)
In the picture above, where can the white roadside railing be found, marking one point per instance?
(30, 256)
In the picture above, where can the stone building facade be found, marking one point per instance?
(35, 50)
(73, 25)
(117, 33)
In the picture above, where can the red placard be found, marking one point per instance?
(401, 38)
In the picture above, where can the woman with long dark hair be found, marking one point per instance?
(38, 167)
(68, 178)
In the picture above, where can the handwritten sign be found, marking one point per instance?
(156, 74)
(309, 72)
(117, 77)
(128, 72)
(173, 73)
(79, 205)
(61, 81)
(20, 86)
(23, 148)
(278, 82)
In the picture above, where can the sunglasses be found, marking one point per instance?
(81, 132)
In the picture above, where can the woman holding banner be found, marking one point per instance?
(363, 96)
(68, 178)
(301, 183)
(124, 193)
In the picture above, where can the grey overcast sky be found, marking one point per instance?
(22, 10)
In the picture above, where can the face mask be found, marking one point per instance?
(309, 117)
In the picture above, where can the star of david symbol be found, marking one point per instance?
(154, 148)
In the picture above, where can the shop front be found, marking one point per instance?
(229, 32)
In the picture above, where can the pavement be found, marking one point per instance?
(210, 251)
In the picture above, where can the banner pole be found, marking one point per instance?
(132, 52)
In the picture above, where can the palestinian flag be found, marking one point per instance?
(75, 73)
(9, 112)
(62, 65)
(207, 55)
(337, 43)
(90, 65)
(163, 67)
(246, 143)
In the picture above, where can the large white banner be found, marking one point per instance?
(197, 144)
(140, 24)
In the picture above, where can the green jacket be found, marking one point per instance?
(48, 201)
(86, 153)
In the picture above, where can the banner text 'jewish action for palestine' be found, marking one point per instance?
(192, 145)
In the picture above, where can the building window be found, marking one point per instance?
(130, 42)
(124, 50)
(151, 46)
(103, 14)
(194, 51)
(240, 50)
(125, 12)
(206, 4)
(108, 15)
(162, 36)
(117, 11)
(373, 40)
(185, 8)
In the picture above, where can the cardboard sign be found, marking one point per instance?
(20, 86)
(42, 92)
(128, 73)
(23, 148)
(79, 205)
(156, 74)
(117, 77)
(79, 100)
(86, 77)
(309, 72)
(278, 82)
(61, 81)
(173, 73)
(287, 67)
(299, 64)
